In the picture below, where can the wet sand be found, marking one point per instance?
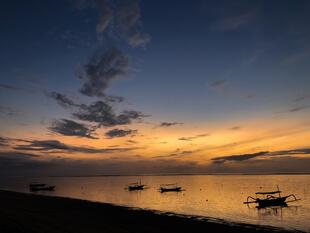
(29, 213)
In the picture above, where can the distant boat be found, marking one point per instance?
(41, 187)
(170, 188)
(267, 199)
(135, 186)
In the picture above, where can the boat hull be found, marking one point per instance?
(134, 188)
(36, 189)
(178, 189)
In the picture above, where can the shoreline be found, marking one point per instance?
(24, 212)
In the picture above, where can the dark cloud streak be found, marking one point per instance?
(116, 133)
(52, 145)
(193, 137)
(169, 124)
(243, 157)
(71, 128)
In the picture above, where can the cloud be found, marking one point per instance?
(299, 108)
(106, 15)
(193, 137)
(102, 113)
(128, 18)
(234, 22)
(132, 141)
(218, 85)
(301, 98)
(101, 70)
(114, 99)
(20, 163)
(16, 155)
(235, 128)
(168, 124)
(116, 133)
(71, 128)
(9, 111)
(4, 141)
(104, 9)
(62, 99)
(8, 87)
(55, 145)
(243, 157)
(123, 18)
(177, 153)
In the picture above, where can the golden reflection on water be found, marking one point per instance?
(218, 196)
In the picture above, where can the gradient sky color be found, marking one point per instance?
(211, 86)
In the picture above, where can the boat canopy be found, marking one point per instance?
(264, 193)
(175, 184)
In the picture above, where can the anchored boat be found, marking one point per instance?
(170, 188)
(266, 199)
(135, 186)
(41, 187)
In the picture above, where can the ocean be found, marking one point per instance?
(214, 196)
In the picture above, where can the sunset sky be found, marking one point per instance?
(151, 87)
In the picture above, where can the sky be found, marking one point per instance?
(123, 87)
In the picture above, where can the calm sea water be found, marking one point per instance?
(216, 196)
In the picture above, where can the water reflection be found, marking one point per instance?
(213, 196)
(278, 212)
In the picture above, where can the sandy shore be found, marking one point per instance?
(27, 213)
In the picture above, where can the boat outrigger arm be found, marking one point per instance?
(256, 200)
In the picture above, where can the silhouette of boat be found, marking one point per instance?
(266, 199)
(135, 186)
(41, 187)
(170, 188)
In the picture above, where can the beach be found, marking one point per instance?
(32, 213)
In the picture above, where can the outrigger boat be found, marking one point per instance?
(135, 186)
(170, 188)
(267, 199)
(41, 187)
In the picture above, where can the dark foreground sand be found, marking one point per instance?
(29, 213)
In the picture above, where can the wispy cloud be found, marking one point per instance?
(122, 18)
(8, 111)
(177, 153)
(116, 133)
(9, 87)
(299, 108)
(302, 98)
(106, 15)
(62, 99)
(191, 138)
(234, 22)
(55, 145)
(132, 141)
(169, 124)
(4, 141)
(235, 128)
(219, 85)
(128, 18)
(243, 157)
